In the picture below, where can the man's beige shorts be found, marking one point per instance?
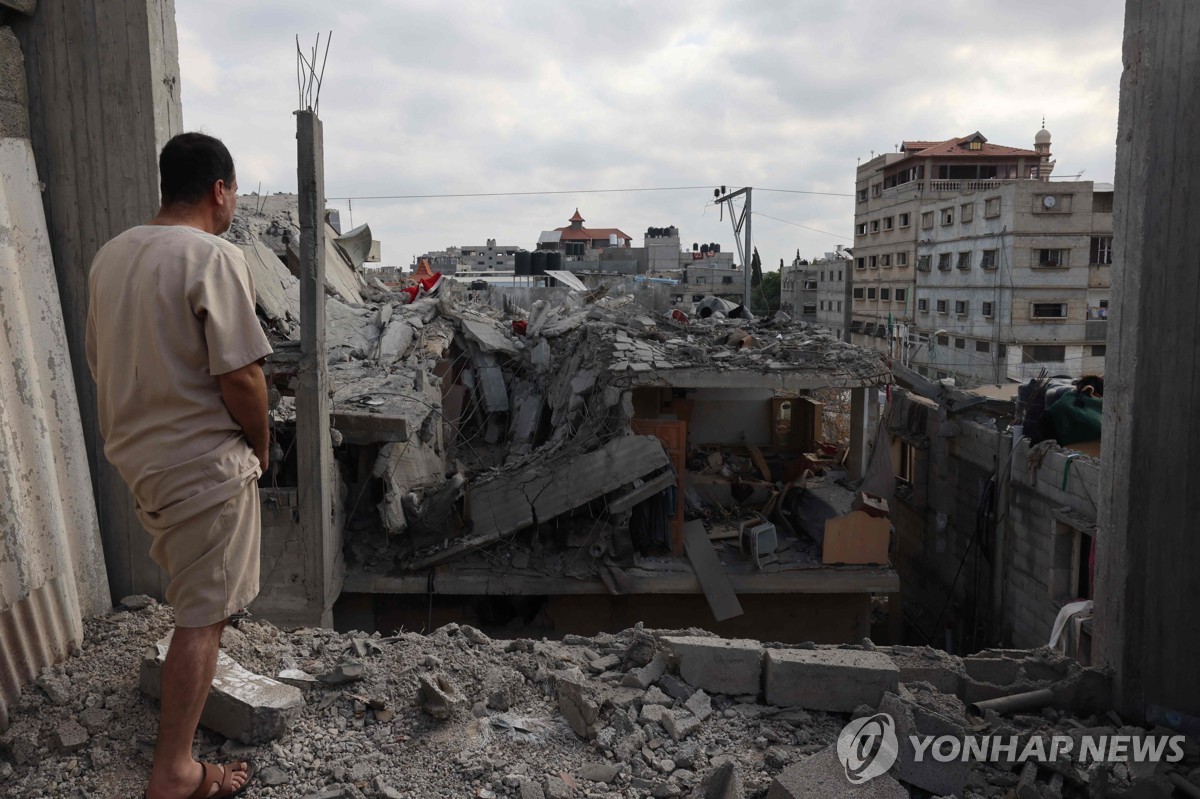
(212, 558)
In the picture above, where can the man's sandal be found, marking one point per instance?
(222, 777)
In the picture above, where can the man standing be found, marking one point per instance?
(176, 349)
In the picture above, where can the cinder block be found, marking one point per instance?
(241, 705)
(997, 671)
(829, 679)
(719, 665)
(940, 779)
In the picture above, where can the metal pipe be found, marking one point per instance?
(1030, 700)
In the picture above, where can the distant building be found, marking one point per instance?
(577, 242)
(489, 257)
(816, 291)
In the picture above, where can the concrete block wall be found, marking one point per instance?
(933, 540)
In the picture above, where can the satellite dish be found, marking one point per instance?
(1049, 202)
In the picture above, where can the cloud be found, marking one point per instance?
(429, 97)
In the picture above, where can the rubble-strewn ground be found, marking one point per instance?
(85, 731)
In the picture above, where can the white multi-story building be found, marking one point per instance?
(1011, 279)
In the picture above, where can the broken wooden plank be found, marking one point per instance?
(713, 579)
(543, 491)
(759, 461)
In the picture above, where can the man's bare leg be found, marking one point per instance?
(187, 677)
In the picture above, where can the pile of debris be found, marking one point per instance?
(639, 713)
(463, 419)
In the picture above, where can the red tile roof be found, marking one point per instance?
(590, 234)
(576, 217)
(954, 147)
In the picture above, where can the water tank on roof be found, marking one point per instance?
(704, 249)
(521, 263)
(538, 262)
(554, 261)
(714, 248)
(613, 241)
(695, 247)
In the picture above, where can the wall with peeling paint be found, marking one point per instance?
(51, 562)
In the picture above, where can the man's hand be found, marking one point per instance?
(244, 392)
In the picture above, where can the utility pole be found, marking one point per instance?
(740, 220)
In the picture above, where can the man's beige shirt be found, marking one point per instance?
(171, 308)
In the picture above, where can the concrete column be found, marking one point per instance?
(103, 80)
(1148, 553)
(861, 400)
(321, 543)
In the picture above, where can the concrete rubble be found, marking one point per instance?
(459, 713)
(453, 412)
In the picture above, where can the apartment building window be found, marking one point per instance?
(986, 310)
(874, 225)
(822, 275)
(889, 222)
(810, 285)
(964, 260)
(923, 262)
(927, 220)
(858, 294)
(1002, 350)
(1051, 257)
(727, 279)
(991, 207)
(941, 306)
(877, 190)
(960, 343)
(943, 341)
(700, 281)
(1102, 202)
(944, 262)
(1101, 252)
(861, 230)
(1043, 353)
(860, 263)
(1049, 310)
(923, 305)
(885, 295)
(885, 260)
(839, 302)
(1098, 350)
(901, 259)
(960, 307)
(901, 295)
(809, 308)
(904, 220)
(989, 260)
(821, 305)
(983, 346)
(874, 262)
(862, 195)
(967, 212)
(870, 293)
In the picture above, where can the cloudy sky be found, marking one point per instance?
(463, 96)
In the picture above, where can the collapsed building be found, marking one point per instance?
(553, 442)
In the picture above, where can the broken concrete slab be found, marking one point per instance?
(822, 776)
(838, 680)
(397, 337)
(244, 706)
(70, 736)
(581, 711)
(941, 779)
(488, 337)
(718, 590)
(438, 696)
(542, 491)
(719, 665)
(723, 782)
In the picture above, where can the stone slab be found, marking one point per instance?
(837, 680)
(822, 776)
(244, 706)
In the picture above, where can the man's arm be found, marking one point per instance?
(245, 394)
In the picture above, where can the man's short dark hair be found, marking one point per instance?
(189, 165)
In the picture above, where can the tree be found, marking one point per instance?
(766, 296)
(756, 274)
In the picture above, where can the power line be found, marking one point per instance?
(797, 224)
(802, 191)
(517, 193)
